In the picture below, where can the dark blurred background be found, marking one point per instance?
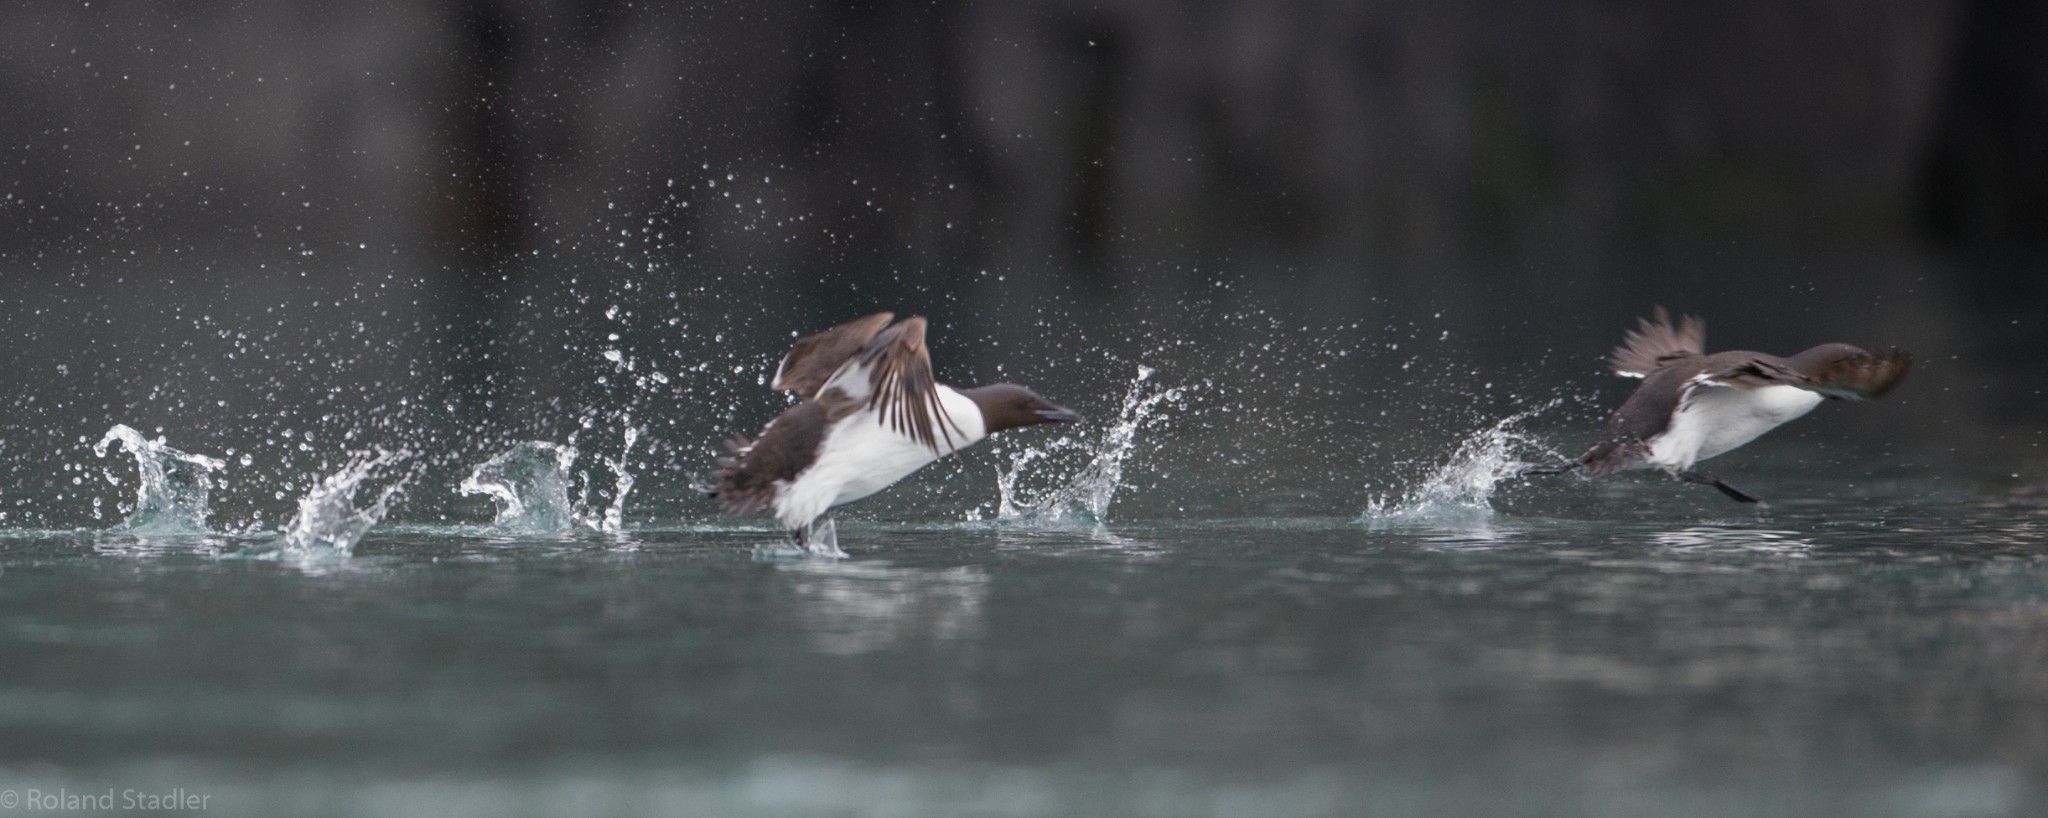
(230, 221)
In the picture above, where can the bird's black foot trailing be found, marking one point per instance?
(1559, 467)
(1734, 493)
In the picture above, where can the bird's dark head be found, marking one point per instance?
(1007, 406)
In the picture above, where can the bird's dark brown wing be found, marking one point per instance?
(1864, 376)
(1655, 344)
(1751, 370)
(1856, 375)
(814, 358)
(892, 376)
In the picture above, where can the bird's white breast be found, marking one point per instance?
(1714, 419)
(860, 456)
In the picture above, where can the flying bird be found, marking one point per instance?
(1693, 406)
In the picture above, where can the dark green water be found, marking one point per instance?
(1871, 651)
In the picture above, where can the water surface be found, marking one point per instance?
(1880, 650)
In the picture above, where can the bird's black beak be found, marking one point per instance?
(1059, 414)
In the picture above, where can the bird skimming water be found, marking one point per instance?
(1693, 406)
(871, 414)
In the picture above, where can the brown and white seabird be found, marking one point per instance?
(871, 413)
(1693, 406)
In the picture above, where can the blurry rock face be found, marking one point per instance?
(1081, 132)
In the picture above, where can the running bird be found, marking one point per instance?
(871, 414)
(1693, 406)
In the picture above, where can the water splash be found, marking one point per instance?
(172, 486)
(530, 484)
(1462, 489)
(614, 518)
(328, 524)
(823, 544)
(1084, 498)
